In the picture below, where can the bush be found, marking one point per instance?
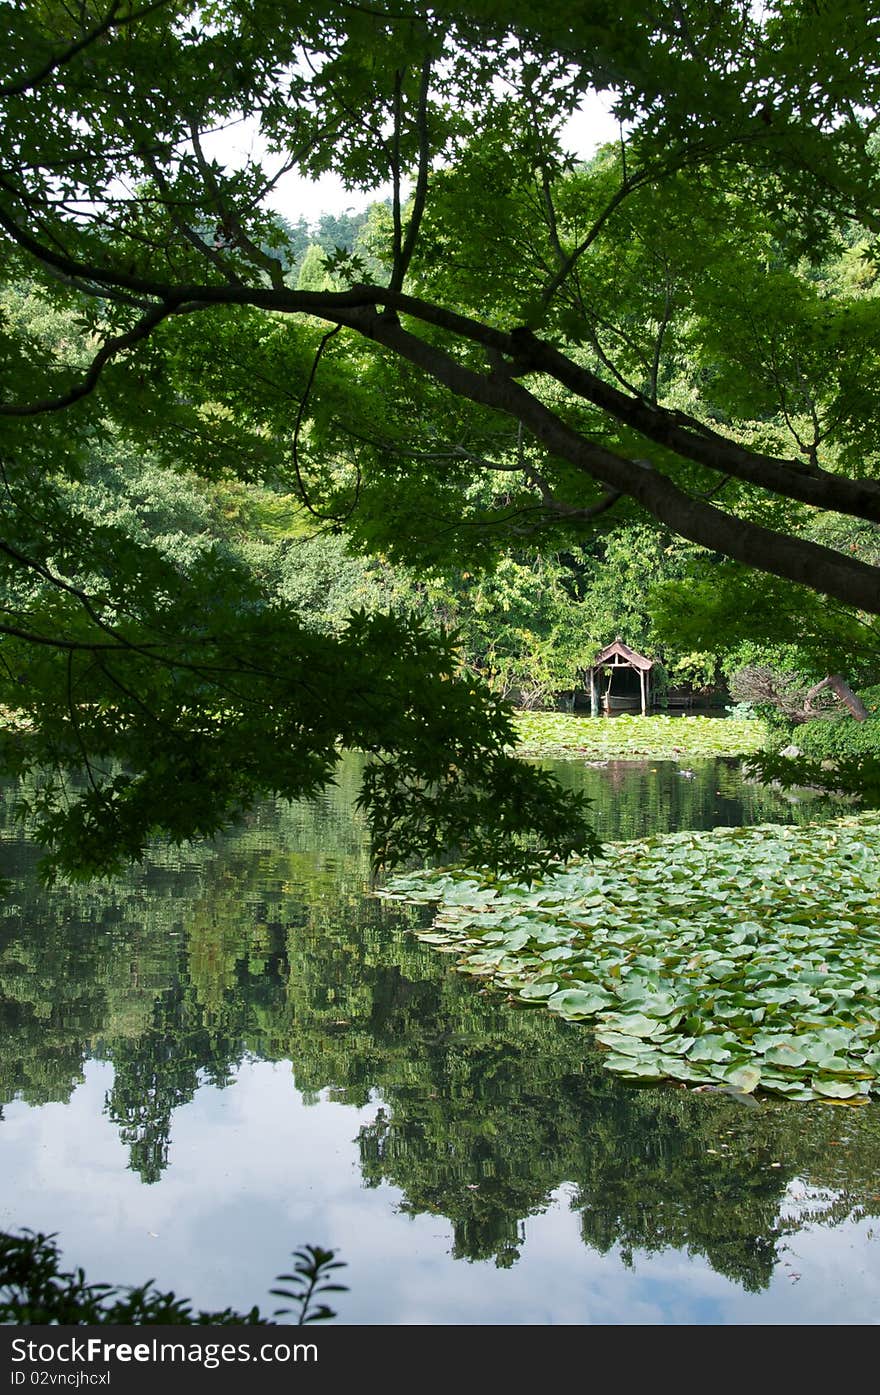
(843, 735)
(838, 755)
(35, 1290)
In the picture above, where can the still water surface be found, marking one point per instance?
(236, 1050)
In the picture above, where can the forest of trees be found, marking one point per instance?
(272, 489)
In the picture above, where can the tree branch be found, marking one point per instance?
(211, 254)
(694, 441)
(110, 22)
(230, 221)
(113, 347)
(568, 511)
(322, 517)
(674, 431)
(795, 559)
(842, 689)
(404, 251)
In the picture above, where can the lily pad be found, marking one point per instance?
(577, 1002)
(836, 1089)
(709, 1048)
(709, 953)
(538, 990)
(744, 1078)
(634, 1024)
(785, 1055)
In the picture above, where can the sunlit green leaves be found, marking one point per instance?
(747, 959)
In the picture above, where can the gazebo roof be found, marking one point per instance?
(624, 655)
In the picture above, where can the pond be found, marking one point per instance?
(238, 1049)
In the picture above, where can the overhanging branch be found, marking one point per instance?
(794, 559)
(520, 351)
(111, 349)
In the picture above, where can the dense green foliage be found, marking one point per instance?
(222, 692)
(832, 751)
(842, 737)
(513, 350)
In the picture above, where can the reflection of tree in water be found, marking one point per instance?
(507, 1128)
(156, 1073)
(487, 1110)
(649, 1169)
(671, 795)
(267, 947)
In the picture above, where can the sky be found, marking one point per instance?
(293, 197)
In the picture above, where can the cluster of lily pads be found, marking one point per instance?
(740, 958)
(551, 734)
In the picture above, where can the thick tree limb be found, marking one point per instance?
(792, 478)
(809, 564)
(794, 559)
(843, 691)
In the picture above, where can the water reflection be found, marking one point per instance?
(266, 948)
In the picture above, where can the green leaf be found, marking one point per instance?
(576, 1002)
(745, 1078)
(785, 1055)
(836, 1089)
(709, 1048)
(538, 990)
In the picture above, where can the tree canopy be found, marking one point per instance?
(521, 345)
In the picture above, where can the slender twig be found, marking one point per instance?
(189, 233)
(397, 235)
(324, 518)
(230, 221)
(71, 710)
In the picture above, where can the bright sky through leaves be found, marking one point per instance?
(295, 197)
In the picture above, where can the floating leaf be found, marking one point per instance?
(634, 1024)
(744, 1078)
(709, 1048)
(577, 1002)
(785, 1055)
(538, 990)
(515, 939)
(708, 953)
(836, 1089)
(659, 1005)
(630, 1067)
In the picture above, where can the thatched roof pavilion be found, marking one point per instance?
(622, 693)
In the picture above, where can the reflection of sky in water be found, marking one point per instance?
(474, 1096)
(253, 1172)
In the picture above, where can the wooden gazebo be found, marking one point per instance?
(615, 661)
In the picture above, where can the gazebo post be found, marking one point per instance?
(643, 688)
(594, 694)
